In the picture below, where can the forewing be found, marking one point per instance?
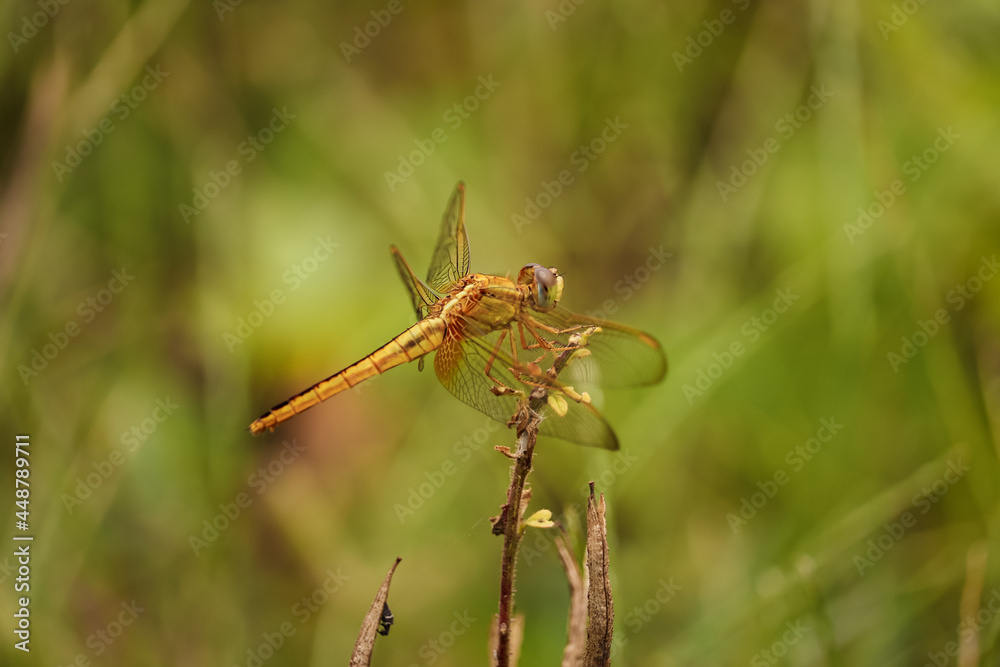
(620, 356)
(461, 363)
(451, 258)
(420, 295)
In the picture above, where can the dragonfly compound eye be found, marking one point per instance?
(548, 287)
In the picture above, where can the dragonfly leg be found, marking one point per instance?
(506, 333)
(540, 344)
(548, 346)
(546, 327)
(568, 392)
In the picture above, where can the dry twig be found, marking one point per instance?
(600, 606)
(577, 625)
(509, 523)
(363, 647)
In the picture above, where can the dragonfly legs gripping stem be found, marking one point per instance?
(501, 389)
(547, 346)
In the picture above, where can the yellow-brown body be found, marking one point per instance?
(477, 305)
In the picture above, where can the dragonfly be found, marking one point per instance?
(490, 335)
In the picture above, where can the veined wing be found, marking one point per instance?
(420, 295)
(620, 356)
(451, 258)
(461, 363)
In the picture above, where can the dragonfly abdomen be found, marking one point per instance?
(423, 337)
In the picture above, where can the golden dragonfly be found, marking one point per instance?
(470, 319)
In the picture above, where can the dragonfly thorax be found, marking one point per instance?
(482, 303)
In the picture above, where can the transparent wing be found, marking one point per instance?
(451, 258)
(620, 356)
(420, 295)
(581, 424)
(461, 364)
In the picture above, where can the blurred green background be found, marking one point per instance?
(792, 494)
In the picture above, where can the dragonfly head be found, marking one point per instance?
(546, 285)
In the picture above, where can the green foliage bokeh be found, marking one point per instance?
(785, 194)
